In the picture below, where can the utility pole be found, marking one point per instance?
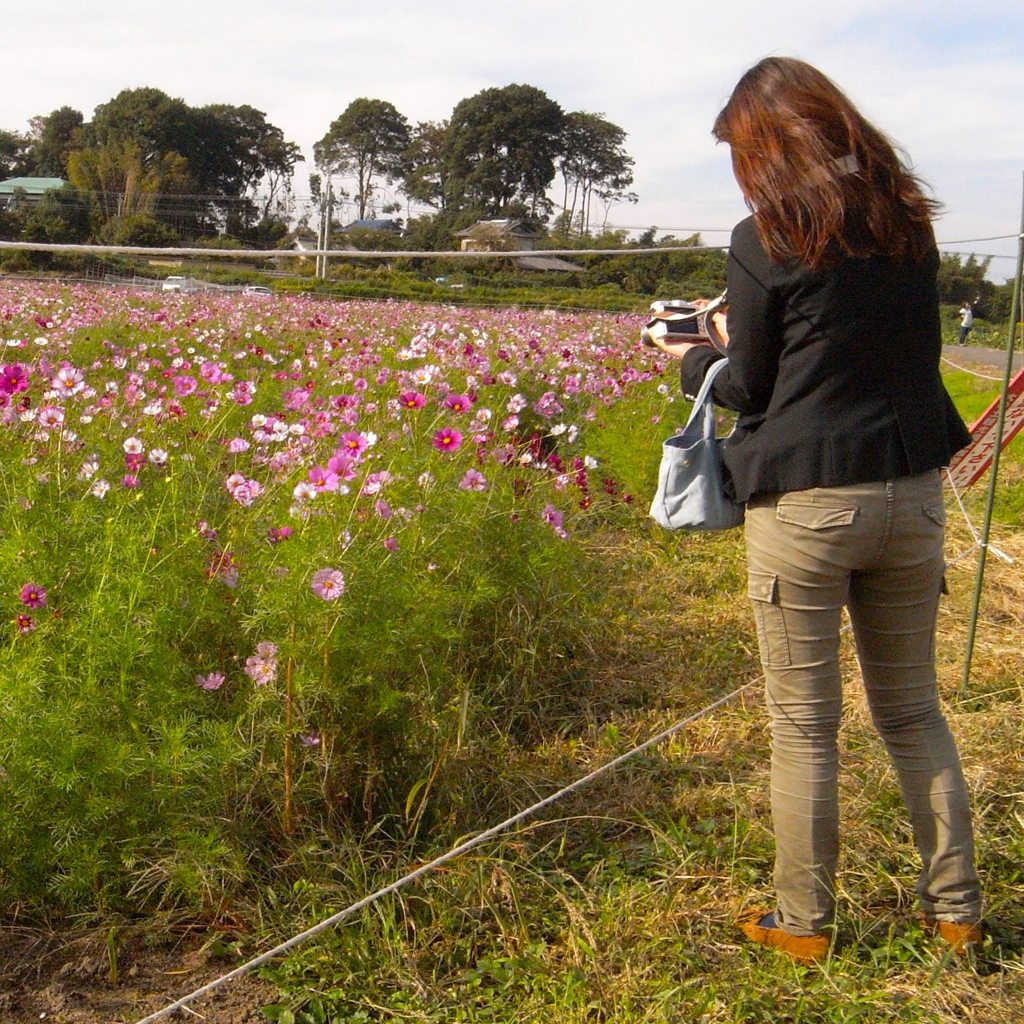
(323, 240)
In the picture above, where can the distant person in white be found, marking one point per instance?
(966, 321)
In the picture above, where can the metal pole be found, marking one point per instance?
(993, 471)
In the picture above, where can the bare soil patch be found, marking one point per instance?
(67, 979)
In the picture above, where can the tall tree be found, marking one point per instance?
(366, 141)
(593, 163)
(55, 138)
(424, 176)
(501, 148)
(15, 154)
(263, 157)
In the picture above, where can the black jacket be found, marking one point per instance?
(834, 372)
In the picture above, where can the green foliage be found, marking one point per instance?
(500, 148)
(367, 140)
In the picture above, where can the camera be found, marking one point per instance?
(677, 320)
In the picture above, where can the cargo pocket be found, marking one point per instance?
(936, 512)
(815, 516)
(763, 591)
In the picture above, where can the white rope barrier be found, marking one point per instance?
(273, 254)
(456, 851)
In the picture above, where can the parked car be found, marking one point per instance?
(257, 289)
(174, 284)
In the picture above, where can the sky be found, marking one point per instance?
(942, 78)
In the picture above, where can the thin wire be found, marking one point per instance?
(444, 858)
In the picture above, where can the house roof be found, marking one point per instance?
(505, 226)
(31, 186)
(534, 262)
(371, 224)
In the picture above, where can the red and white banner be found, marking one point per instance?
(971, 462)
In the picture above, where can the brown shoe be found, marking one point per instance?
(759, 926)
(961, 935)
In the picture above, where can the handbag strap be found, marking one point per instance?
(702, 403)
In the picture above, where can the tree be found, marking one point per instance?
(54, 139)
(424, 176)
(264, 159)
(366, 141)
(592, 163)
(15, 154)
(501, 147)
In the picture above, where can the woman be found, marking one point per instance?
(834, 342)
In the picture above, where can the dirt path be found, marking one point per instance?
(67, 980)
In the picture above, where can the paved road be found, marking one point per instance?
(970, 355)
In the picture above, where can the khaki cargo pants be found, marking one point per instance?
(877, 549)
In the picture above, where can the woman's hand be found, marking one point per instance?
(719, 320)
(676, 349)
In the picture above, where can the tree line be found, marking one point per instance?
(148, 169)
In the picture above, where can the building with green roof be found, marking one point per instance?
(29, 190)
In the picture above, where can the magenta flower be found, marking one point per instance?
(458, 403)
(328, 584)
(391, 543)
(447, 439)
(353, 444)
(412, 399)
(25, 623)
(211, 681)
(276, 534)
(383, 509)
(33, 596)
(184, 385)
(129, 480)
(13, 379)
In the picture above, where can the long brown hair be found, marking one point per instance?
(820, 179)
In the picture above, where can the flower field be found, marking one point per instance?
(265, 559)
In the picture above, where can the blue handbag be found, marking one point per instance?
(690, 495)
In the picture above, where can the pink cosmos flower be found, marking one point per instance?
(25, 623)
(211, 681)
(343, 465)
(50, 416)
(374, 482)
(310, 739)
(412, 399)
(473, 481)
(391, 543)
(185, 385)
(353, 444)
(13, 379)
(383, 509)
(328, 584)
(129, 480)
(33, 596)
(261, 670)
(276, 534)
(68, 380)
(323, 479)
(554, 518)
(447, 439)
(458, 403)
